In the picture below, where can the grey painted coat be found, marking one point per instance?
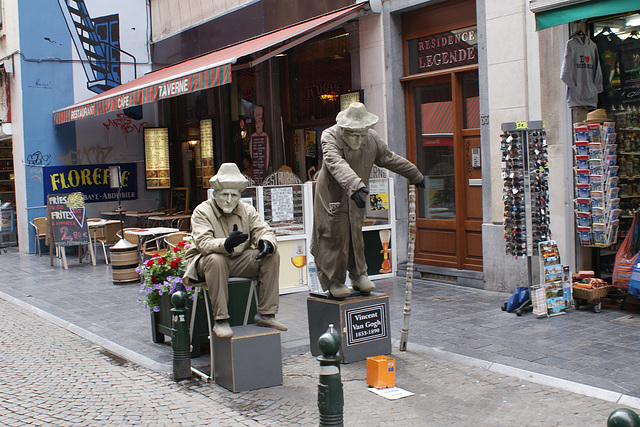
(210, 227)
(337, 243)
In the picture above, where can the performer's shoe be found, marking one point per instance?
(339, 291)
(269, 320)
(363, 284)
(222, 329)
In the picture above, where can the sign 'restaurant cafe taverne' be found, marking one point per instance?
(444, 50)
(92, 181)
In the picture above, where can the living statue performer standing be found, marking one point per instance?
(230, 239)
(349, 149)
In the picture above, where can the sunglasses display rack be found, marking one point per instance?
(596, 184)
(525, 196)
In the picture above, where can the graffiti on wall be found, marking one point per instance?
(38, 159)
(125, 123)
(88, 155)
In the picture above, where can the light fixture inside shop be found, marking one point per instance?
(243, 134)
(329, 96)
(193, 142)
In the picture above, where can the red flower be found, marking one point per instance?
(162, 261)
(154, 279)
(181, 243)
(155, 255)
(174, 263)
(149, 263)
(176, 249)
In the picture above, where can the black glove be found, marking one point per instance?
(265, 247)
(360, 197)
(235, 238)
(420, 184)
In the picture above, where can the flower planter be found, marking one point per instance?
(161, 324)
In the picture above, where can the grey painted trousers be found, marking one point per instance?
(217, 268)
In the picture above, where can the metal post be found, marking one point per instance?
(180, 337)
(330, 396)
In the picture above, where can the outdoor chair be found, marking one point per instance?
(109, 238)
(172, 240)
(40, 226)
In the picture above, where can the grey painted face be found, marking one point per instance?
(354, 138)
(226, 199)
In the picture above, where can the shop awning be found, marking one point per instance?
(588, 9)
(203, 72)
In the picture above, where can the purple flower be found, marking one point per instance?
(156, 308)
(138, 270)
(143, 287)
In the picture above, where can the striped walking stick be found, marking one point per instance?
(409, 285)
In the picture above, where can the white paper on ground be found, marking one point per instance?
(391, 393)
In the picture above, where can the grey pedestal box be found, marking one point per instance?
(249, 360)
(362, 321)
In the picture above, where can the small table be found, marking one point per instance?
(116, 213)
(144, 233)
(171, 220)
(142, 218)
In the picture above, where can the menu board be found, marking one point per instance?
(156, 158)
(67, 219)
(282, 204)
(206, 151)
(180, 198)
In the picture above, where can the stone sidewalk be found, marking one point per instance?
(50, 376)
(467, 361)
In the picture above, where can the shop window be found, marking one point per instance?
(618, 42)
(319, 72)
(470, 90)
(434, 111)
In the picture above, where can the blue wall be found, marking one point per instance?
(47, 84)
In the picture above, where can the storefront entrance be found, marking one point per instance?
(444, 131)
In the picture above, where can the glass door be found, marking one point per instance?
(445, 135)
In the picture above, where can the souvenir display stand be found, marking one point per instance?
(549, 298)
(596, 184)
(526, 197)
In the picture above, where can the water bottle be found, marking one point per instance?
(314, 283)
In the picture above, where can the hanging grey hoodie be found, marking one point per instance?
(581, 73)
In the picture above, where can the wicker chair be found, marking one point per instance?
(172, 240)
(40, 225)
(109, 238)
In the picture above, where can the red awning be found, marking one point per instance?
(203, 72)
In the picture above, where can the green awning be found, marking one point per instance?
(588, 9)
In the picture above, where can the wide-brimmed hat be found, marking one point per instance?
(356, 117)
(229, 177)
(597, 116)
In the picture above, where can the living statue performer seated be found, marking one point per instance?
(349, 149)
(230, 239)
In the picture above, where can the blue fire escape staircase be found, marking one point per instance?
(97, 42)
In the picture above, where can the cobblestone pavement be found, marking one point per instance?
(50, 376)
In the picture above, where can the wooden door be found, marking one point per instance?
(444, 139)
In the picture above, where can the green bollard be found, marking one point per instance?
(623, 417)
(180, 337)
(330, 396)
